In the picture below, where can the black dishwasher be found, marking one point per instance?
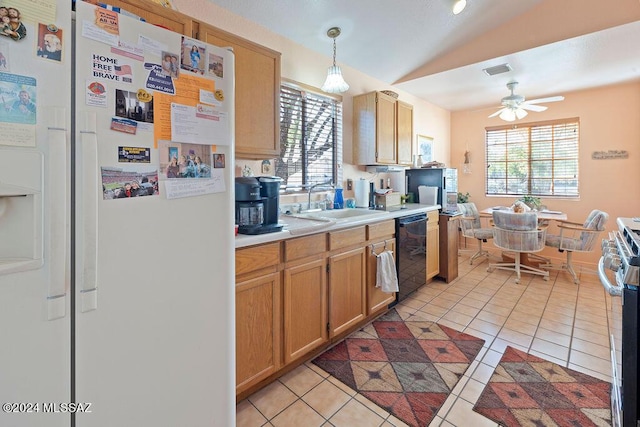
(411, 253)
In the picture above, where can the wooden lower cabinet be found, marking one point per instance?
(376, 299)
(433, 245)
(298, 296)
(305, 308)
(258, 320)
(347, 292)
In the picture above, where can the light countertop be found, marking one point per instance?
(295, 226)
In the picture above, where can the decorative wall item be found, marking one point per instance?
(610, 154)
(466, 166)
(425, 148)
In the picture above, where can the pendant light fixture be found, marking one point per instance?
(458, 6)
(334, 82)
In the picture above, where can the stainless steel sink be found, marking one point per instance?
(341, 214)
(313, 221)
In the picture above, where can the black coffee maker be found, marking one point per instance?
(257, 204)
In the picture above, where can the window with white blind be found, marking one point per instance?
(310, 138)
(539, 159)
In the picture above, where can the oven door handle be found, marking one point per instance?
(612, 289)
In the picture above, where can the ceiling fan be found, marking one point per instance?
(515, 106)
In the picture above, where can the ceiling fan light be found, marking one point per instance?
(508, 115)
(521, 114)
(335, 82)
(458, 6)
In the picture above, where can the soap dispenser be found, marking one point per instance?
(338, 199)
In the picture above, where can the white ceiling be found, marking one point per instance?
(420, 47)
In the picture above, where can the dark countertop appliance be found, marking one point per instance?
(257, 204)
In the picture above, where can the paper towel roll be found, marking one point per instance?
(361, 190)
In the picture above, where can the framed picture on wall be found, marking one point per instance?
(425, 148)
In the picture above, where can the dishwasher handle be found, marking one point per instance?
(411, 220)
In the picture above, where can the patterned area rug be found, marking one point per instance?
(407, 368)
(525, 390)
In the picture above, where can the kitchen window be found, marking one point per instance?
(539, 159)
(310, 138)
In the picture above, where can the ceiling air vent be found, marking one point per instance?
(498, 69)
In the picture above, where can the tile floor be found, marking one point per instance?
(556, 320)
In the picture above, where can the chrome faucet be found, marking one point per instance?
(329, 183)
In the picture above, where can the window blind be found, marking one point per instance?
(310, 138)
(540, 159)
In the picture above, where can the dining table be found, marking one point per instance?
(544, 216)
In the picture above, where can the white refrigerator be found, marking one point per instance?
(116, 223)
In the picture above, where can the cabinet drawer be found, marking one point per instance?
(303, 247)
(344, 238)
(257, 257)
(381, 229)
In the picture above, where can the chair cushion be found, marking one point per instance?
(482, 233)
(516, 221)
(596, 220)
(518, 231)
(567, 242)
(470, 210)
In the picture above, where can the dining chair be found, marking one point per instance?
(576, 237)
(471, 226)
(518, 233)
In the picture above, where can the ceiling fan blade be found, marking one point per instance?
(536, 108)
(497, 112)
(542, 100)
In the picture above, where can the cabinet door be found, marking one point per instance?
(433, 245)
(376, 299)
(305, 308)
(385, 129)
(258, 326)
(347, 302)
(257, 94)
(157, 15)
(404, 136)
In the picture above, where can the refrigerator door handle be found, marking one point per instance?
(58, 201)
(88, 190)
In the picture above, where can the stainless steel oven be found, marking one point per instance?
(621, 258)
(411, 253)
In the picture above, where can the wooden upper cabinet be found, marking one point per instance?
(404, 132)
(374, 129)
(157, 15)
(257, 94)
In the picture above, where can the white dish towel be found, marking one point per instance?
(386, 276)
